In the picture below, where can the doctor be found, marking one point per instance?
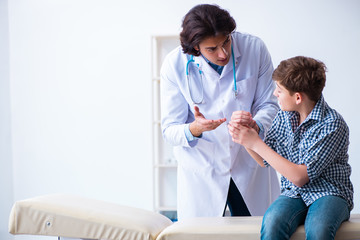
(214, 73)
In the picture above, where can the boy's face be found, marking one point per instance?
(286, 101)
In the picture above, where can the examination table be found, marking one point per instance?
(71, 216)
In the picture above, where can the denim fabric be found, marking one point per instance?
(322, 218)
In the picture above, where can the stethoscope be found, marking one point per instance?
(201, 78)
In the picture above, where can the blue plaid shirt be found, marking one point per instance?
(321, 143)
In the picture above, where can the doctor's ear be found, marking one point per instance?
(197, 49)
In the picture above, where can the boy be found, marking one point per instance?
(307, 144)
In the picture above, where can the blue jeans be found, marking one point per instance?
(322, 218)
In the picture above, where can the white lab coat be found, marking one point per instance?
(205, 165)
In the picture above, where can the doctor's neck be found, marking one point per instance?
(216, 67)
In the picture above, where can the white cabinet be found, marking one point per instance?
(164, 164)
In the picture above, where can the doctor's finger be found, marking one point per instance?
(197, 112)
(205, 124)
(251, 123)
(238, 114)
(214, 124)
(244, 121)
(221, 120)
(241, 118)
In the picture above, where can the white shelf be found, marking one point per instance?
(164, 164)
(166, 208)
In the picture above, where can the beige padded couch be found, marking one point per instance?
(81, 218)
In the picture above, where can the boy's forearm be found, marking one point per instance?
(297, 174)
(256, 157)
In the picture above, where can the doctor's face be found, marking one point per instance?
(216, 49)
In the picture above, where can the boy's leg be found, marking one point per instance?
(325, 216)
(282, 218)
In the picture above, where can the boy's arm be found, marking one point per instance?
(297, 174)
(249, 138)
(256, 157)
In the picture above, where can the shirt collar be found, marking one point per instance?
(316, 114)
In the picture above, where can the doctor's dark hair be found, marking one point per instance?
(201, 22)
(302, 74)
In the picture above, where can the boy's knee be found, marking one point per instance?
(320, 231)
(272, 220)
(272, 227)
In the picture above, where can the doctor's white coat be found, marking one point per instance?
(205, 165)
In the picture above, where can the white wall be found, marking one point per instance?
(6, 169)
(80, 87)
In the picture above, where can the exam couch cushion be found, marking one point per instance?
(77, 217)
(235, 228)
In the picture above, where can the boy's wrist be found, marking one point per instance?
(256, 146)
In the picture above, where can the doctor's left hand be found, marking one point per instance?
(201, 124)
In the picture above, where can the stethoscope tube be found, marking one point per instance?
(188, 79)
(200, 72)
(233, 58)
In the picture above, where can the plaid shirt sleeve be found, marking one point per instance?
(319, 152)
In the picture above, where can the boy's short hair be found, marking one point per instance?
(302, 74)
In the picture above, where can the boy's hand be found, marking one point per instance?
(201, 124)
(244, 118)
(243, 135)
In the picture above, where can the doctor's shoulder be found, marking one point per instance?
(175, 57)
(174, 62)
(247, 42)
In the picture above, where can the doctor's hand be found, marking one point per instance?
(244, 118)
(243, 135)
(201, 124)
